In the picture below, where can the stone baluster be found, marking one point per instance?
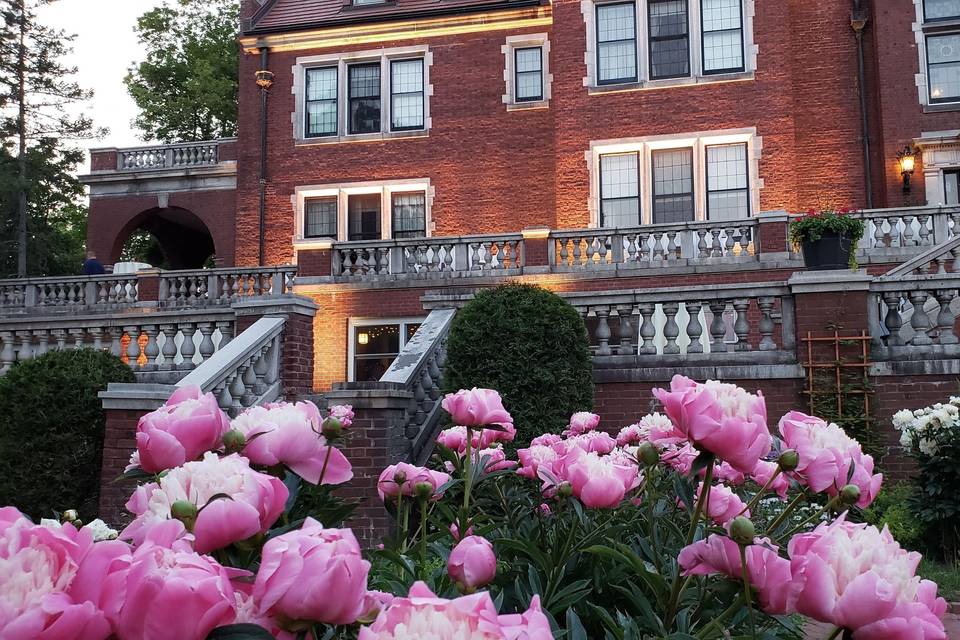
(187, 348)
(744, 241)
(133, 347)
(25, 342)
(893, 321)
(741, 326)
(908, 240)
(207, 347)
(260, 366)
(226, 332)
(766, 324)
(716, 248)
(673, 247)
(562, 253)
(419, 395)
(603, 331)
(116, 340)
(151, 350)
(925, 236)
(448, 257)
(702, 246)
(643, 247)
(945, 319)
(79, 337)
(249, 384)
(694, 328)
(647, 329)
(428, 382)
(8, 354)
(577, 260)
(169, 346)
(43, 342)
(237, 390)
(718, 328)
(920, 321)
(60, 335)
(625, 314)
(96, 333)
(222, 392)
(728, 242)
(671, 330)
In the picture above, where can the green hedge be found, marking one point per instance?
(51, 431)
(532, 347)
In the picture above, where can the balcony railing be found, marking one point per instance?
(170, 156)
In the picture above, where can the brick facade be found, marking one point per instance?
(118, 443)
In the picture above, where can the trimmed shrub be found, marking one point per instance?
(532, 347)
(892, 508)
(51, 431)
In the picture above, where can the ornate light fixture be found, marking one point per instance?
(907, 158)
(264, 79)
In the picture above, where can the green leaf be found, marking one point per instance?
(240, 632)
(575, 628)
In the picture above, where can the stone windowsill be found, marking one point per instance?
(651, 85)
(362, 137)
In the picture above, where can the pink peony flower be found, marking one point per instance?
(423, 615)
(247, 611)
(725, 473)
(680, 458)
(599, 483)
(313, 574)
(762, 473)
(857, 577)
(546, 439)
(455, 439)
(529, 625)
(720, 418)
(455, 531)
(476, 408)
(342, 412)
(826, 455)
(654, 428)
(187, 426)
(289, 434)
(373, 603)
(255, 501)
(544, 510)
(472, 563)
(581, 422)
(496, 459)
(535, 457)
(593, 442)
(402, 479)
(724, 505)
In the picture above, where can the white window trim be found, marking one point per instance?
(341, 61)
(696, 140)
(513, 43)
(354, 323)
(922, 79)
(940, 153)
(342, 192)
(750, 50)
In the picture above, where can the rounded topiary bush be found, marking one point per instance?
(532, 347)
(51, 431)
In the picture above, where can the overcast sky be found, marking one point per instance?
(102, 52)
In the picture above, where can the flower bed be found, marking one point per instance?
(693, 523)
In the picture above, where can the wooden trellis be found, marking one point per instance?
(839, 359)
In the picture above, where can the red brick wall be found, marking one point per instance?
(119, 442)
(105, 160)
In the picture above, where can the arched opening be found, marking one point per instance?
(167, 238)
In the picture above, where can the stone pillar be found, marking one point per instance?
(828, 300)
(773, 235)
(148, 287)
(536, 250)
(317, 261)
(375, 440)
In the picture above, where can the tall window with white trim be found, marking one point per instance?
(528, 73)
(672, 185)
(728, 187)
(941, 9)
(363, 216)
(376, 344)
(409, 209)
(722, 22)
(951, 187)
(669, 26)
(620, 190)
(321, 102)
(363, 94)
(616, 43)
(320, 217)
(406, 94)
(943, 67)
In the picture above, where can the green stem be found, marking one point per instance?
(326, 461)
(835, 633)
(719, 620)
(651, 503)
(423, 532)
(467, 479)
(763, 490)
(786, 512)
(677, 588)
(800, 526)
(746, 589)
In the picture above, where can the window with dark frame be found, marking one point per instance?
(728, 187)
(943, 67)
(722, 45)
(363, 216)
(528, 74)
(941, 9)
(406, 95)
(376, 346)
(669, 45)
(408, 210)
(321, 102)
(951, 186)
(616, 43)
(672, 185)
(363, 93)
(320, 217)
(620, 190)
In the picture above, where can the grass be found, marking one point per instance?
(946, 576)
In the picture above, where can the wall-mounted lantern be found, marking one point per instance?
(907, 159)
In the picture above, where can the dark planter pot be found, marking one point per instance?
(831, 251)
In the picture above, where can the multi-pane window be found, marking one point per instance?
(363, 216)
(728, 190)
(376, 346)
(409, 213)
(528, 74)
(669, 38)
(941, 9)
(672, 185)
(722, 36)
(616, 43)
(360, 3)
(943, 67)
(406, 89)
(363, 94)
(321, 101)
(951, 187)
(619, 190)
(320, 217)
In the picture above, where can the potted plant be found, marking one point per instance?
(828, 238)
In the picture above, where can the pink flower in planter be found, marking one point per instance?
(857, 577)
(402, 479)
(289, 434)
(472, 563)
(581, 422)
(724, 504)
(592, 442)
(313, 574)
(764, 471)
(599, 483)
(187, 426)
(254, 501)
(769, 574)
(721, 418)
(476, 408)
(343, 413)
(826, 454)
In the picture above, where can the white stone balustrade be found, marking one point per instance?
(223, 286)
(67, 294)
(171, 156)
(897, 232)
(475, 255)
(915, 316)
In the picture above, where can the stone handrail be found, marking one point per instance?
(419, 368)
(894, 231)
(169, 156)
(223, 286)
(500, 254)
(914, 315)
(711, 325)
(653, 245)
(246, 372)
(941, 259)
(68, 293)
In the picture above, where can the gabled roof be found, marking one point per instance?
(296, 15)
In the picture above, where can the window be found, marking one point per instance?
(321, 102)
(941, 9)
(669, 39)
(619, 190)
(943, 67)
(320, 218)
(409, 214)
(528, 73)
(364, 97)
(722, 36)
(728, 192)
(951, 187)
(616, 43)
(363, 216)
(376, 344)
(672, 185)
(406, 94)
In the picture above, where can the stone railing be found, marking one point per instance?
(419, 368)
(710, 325)
(500, 254)
(53, 294)
(223, 286)
(939, 260)
(653, 245)
(246, 372)
(162, 344)
(914, 316)
(894, 232)
(170, 156)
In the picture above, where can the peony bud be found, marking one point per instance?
(789, 460)
(742, 531)
(186, 512)
(649, 454)
(331, 428)
(565, 490)
(850, 494)
(234, 441)
(423, 490)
